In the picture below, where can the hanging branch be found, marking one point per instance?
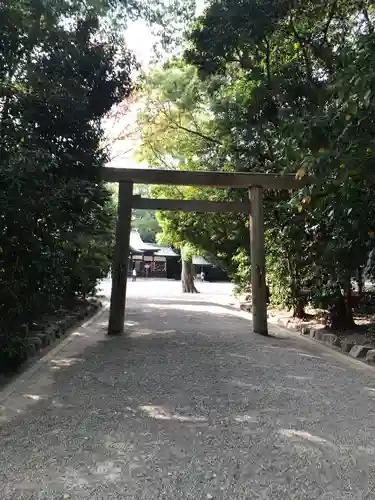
(331, 15)
(302, 43)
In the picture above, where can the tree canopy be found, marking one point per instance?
(277, 86)
(63, 66)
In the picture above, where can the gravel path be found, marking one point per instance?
(190, 405)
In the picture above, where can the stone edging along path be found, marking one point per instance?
(365, 353)
(57, 329)
(50, 334)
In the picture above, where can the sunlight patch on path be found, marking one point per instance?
(159, 413)
(304, 435)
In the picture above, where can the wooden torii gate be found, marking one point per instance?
(254, 182)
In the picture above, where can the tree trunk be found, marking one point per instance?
(360, 283)
(298, 300)
(299, 308)
(341, 314)
(187, 276)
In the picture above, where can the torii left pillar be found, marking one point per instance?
(120, 259)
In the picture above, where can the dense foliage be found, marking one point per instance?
(277, 86)
(147, 225)
(145, 221)
(62, 68)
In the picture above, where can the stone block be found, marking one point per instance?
(305, 330)
(36, 342)
(318, 335)
(52, 328)
(60, 331)
(67, 323)
(81, 315)
(285, 322)
(51, 332)
(245, 307)
(370, 357)
(71, 321)
(359, 351)
(31, 350)
(45, 338)
(330, 338)
(24, 330)
(347, 345)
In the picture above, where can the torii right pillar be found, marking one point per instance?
(258, 262)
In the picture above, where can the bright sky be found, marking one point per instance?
(140, 41)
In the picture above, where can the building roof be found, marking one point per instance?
(150, 246)
(137, 245)
(166, 252)
(198, 260)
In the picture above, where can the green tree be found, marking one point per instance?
(62, 67)
(308, 74)
(144, 220)
(173, 234)
(282, 88)
(147, 225)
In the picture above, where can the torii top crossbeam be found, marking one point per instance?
(202, 178)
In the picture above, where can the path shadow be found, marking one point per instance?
(204, 307)
(187, 405)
